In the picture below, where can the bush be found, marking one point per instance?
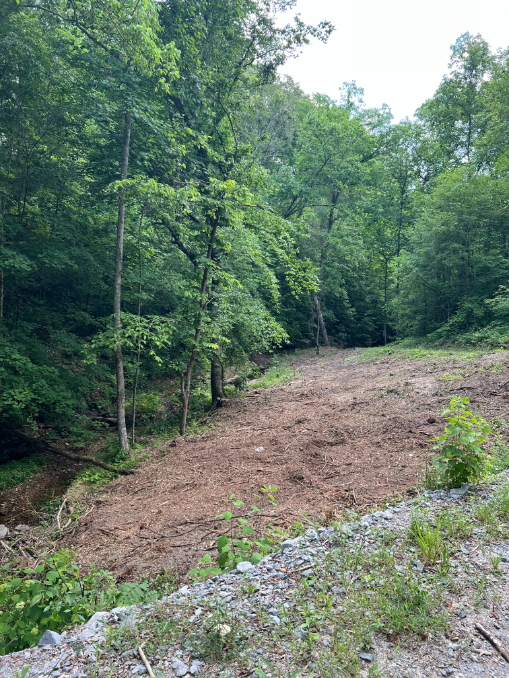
(461, 453)
(55, 595)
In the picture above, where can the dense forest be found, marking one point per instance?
(171, 206)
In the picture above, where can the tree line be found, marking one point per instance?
(170, 205)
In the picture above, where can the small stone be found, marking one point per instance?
(139, 670)
(301, 633)
(4, 532)
(259, 449)
(290, 544)
(245, 567)
(22, 528)
(50, 638)
(367, 657)
(97, 620)
(458, 491)
(179, 667)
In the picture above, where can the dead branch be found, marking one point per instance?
(499, 647)
(60, 511)
(46, 447)
(145, 660)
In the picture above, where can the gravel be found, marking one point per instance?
(274, 580)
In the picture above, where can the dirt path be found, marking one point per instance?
(342, 434)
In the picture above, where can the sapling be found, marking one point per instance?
(460, 459)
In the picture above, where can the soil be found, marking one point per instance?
(341, 435)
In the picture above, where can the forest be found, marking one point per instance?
(172, 207)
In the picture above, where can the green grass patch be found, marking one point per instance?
(280, 372)
(16, 472)
(411, 349)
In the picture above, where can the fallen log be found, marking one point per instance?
(46, 447)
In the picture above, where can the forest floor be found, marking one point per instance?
(351, 430)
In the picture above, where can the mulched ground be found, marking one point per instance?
(342, 434)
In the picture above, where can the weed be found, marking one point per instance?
(20, 674)
(461, 453)
(498, 459)
(243, 543)
(495, 563)
(445, 563)
(427, 537)
(454, 524)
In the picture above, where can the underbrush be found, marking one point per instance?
(15, 472)
(56, 594)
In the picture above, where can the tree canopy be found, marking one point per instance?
(170, 205)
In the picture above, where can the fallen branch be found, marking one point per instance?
(60, 511)
(46, 447)
(145, 661)
(499, 647)
(8, 548)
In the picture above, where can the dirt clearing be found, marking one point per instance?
(343, 433)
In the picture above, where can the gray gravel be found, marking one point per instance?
(84, 651)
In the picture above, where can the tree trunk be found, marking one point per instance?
(217, 381)
(117, 294)
(186, 382)
(321, 324)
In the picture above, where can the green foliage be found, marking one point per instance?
(16, 472)
(461, 453)
(243, 543)
(55, 595)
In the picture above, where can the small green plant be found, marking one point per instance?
(20, 674)
(495, 563)
(460, 459)
(445, 563)
(242, 543)
(428, 539)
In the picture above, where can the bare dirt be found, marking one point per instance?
(342, 434)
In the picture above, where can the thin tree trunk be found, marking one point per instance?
(321, 323)
(186, 383)
(216, 366)
(136, 375)
(117, 294)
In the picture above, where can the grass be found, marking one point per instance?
(427, 537)
(412, 349)
(16, 472)
(280, 372)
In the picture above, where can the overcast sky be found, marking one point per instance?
(397, 50)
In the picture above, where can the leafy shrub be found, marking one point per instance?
(461, 453)
(55, 595)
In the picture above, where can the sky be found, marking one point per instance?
(397, 50)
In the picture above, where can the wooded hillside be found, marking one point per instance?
(170, 206)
